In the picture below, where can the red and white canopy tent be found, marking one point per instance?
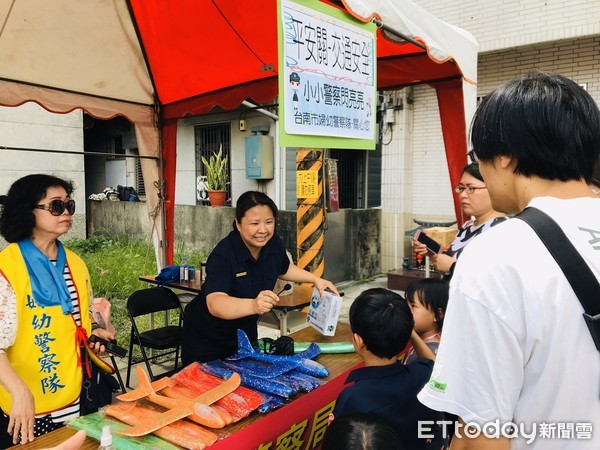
(155, 62)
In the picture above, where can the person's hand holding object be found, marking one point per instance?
(104, 334)
(322, 284)
(265, 301)
(442, 263)
(419, 248)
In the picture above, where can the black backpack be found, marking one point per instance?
(127, 194)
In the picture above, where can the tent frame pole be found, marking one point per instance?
(72, 152)
(396, 33)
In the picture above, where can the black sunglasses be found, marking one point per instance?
(57, 207)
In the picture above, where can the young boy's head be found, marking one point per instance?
(383, 320)
(431, 294)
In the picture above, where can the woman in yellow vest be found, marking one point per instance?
(44, 310)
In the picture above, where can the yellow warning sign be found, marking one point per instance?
(307, 184)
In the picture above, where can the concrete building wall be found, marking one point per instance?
(185, 192)
(512, 23)
(432, 193)
(515, 37)
(578, 59)
(397, 176)
(416, 183)
(30, 126)
(351, 252)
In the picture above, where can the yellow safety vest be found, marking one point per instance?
(45, 354)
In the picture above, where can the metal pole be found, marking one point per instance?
(261, 110)
(396, 33)
(71, 152)
(310, 214)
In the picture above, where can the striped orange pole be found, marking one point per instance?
(310, 212)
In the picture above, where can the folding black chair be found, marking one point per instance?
(144, 303)
(117, 373)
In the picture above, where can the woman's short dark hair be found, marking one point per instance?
(549, 123)
(17, 220)
(383, 320)
(433, 294)
(250, 199)
(360, 431)
(473, 170)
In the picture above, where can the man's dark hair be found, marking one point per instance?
(360, 431)
(596, 175)
(383, 320)
(547, 122)
(17, 220)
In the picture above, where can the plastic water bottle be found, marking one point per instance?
(202, 271)
(184, 270)
(106, 439)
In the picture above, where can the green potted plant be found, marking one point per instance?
(216, 177)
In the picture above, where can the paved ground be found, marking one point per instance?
(351, 291)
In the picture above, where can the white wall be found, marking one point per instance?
(511, 23)
(119, 172)
(578, 59)
(415, 179)
(116, 170)
(515, 37)
(30, 126)
(185, 190)
(432, 193)
(185, 181)
(397, 176)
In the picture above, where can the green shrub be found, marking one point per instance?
(115, 266)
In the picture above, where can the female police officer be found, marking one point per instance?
(241, 272)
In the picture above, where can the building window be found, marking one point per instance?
(114, 145)
(208, 140)
(351, 177)
(359, 177)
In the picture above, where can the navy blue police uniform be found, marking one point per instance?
(231, 269)
(390, 393)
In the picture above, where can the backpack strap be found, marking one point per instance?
(578, 273)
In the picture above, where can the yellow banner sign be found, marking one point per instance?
(307, 184)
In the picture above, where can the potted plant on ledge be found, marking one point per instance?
(216, 177)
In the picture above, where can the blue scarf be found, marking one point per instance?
(47, 280)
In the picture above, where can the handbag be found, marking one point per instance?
(283, 346)
(98, 384)
(168, 274)
(578, 273)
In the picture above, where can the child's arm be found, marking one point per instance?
(420, 347)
